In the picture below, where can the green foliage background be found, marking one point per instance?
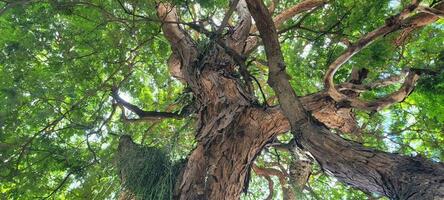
(59, 59)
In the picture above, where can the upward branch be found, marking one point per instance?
(184, 50)
(278, 79)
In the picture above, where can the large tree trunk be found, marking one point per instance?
(395, 176)
(233, 128)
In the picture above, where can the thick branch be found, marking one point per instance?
(172, 31)
(242, 29)
(293, 11)
(184, 51)
(395, 176)
(278, 79)
(393, 24)
(433, 11)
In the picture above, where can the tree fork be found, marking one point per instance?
(395, 176)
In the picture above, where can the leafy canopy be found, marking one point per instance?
(59, 128)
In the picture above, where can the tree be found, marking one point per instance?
(71, 70)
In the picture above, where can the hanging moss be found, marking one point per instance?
(146, 172)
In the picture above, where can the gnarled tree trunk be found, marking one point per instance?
(233, 128)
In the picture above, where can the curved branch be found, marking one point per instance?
(376, 84)
(296, 9)
(293, 11)
(273, 6)
(395, 97)
(184, 50)
(282, 17)
(267, 172)
(393, 24)
(260, 172)
(270, 172)
(410, 77)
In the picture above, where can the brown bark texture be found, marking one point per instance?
(233, 128)
(396, 176)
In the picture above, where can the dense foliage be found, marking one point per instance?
(59, 60)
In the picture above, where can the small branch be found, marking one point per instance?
(260, 89)
(268, 178)
(65, 179)
(376, 84)
(273, 6)
(144, 115)
(91, 149)
(232, 7)
(299, 22)
(313, 193)
(12, 4)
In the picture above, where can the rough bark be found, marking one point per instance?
(232, 128)
(395, 176)
(395, 23)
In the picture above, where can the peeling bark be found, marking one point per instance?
(232, 128)
(395, 176)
